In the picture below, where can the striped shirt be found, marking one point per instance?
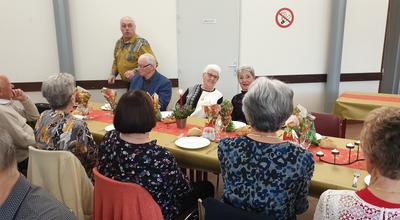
(31, 202)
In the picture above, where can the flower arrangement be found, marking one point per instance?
(212, 112)
(156, 106)
(182, 112)
(225, 113)
(111, 96)
(300, 127)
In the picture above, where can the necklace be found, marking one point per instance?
(261, 135)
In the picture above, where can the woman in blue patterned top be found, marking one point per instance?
(128, 154)
(262, 173)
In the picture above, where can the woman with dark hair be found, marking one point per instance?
(128, 154)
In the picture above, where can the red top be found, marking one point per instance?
(370, 198)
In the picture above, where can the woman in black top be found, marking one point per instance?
(128, 154)
(245, 76)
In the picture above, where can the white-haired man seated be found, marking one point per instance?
(18, 198)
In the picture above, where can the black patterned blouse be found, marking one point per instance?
(57, 130)
(148, 165)
(237, 113)
(272, 179)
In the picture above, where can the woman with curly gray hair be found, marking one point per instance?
(261, 172)
(380, 142)
(58, 129)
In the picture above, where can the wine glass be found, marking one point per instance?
(305, 141)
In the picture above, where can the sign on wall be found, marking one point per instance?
(284, 17)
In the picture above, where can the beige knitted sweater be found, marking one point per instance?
(13, 117)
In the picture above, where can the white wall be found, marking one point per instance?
(364, 35)
(95, 29)
(29, 49)
(28, 40)
(303, 47)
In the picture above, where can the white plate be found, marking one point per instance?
(80, 117)
(106, 107)
(192, 142)
(318, 136)
(109, 127)
(165, 114)
(367, 179)
(238, 124)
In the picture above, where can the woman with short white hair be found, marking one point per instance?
(261, 172)
(204, 94)
(58, 129)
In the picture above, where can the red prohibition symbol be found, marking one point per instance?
(284, 17)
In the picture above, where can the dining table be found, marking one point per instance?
(356, 105)
(326, 176)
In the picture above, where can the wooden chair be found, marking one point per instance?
(329, 125)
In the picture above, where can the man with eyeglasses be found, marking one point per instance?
(127, 51)
(150, 80)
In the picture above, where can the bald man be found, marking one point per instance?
(16, 108)
(127, 51)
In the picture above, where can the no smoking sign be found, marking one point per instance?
(284, 17)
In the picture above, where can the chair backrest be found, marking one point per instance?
(328, 125)
(122, 201)
(215, 210)
(41, 107)
(63, 176)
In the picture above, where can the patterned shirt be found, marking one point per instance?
(148, 165)
(266, 178)
(126, 54)
(347, 204)
(26, 201)
(57, 130)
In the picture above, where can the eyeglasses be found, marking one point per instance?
(210, 75)
(142, 67)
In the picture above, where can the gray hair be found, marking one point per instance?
(214, 67)
(58, 90)
(380, 137)
(246, 68)
(150, 59)
(267, 104)
(7, 151)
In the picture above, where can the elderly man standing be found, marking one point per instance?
(151, 81)
(127, 51)
(18, 198)
(13, 118)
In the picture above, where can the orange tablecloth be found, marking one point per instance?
(326, 176)
(356, 106)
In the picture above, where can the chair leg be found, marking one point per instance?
(205, 176)
(199, 175)
(191, 175)
(343, 131)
